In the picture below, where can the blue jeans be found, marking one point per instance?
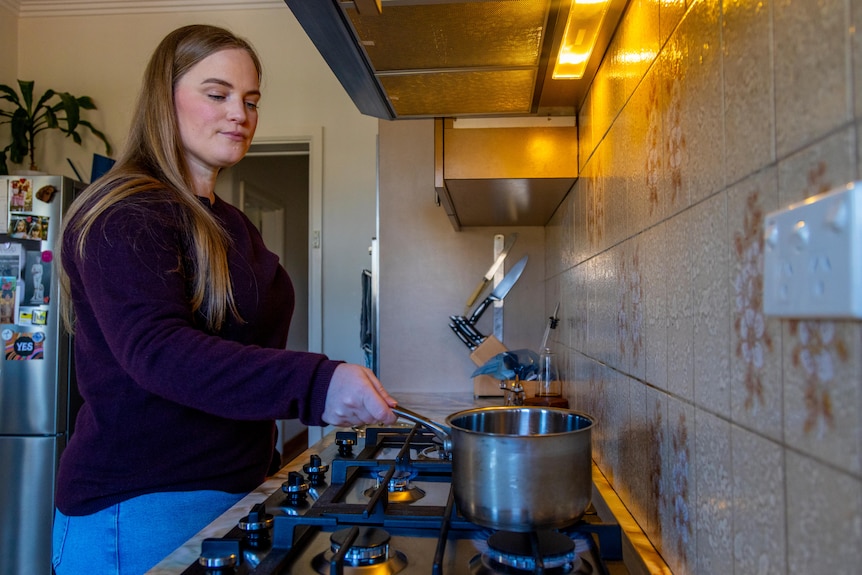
(132, 536)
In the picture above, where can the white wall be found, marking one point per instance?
(103, 56)
(8, 59)
(8, 46)
(428, 270)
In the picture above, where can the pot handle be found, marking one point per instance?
(441, 431)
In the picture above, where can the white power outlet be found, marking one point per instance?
(813, 257)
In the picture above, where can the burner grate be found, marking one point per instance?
(431, 535)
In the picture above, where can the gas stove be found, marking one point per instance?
(383, 504)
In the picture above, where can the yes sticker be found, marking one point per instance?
(25, 346)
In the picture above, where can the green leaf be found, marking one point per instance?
(4, 169)
(27, 92)
(51, 118)
(27, 121)
(8, 94)
(19, 147)
(99, 135)
(73, 112)
(86, 103)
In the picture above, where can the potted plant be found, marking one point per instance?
(53, 110)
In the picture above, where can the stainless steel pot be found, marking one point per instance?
(518, 468)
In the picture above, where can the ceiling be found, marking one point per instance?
(461, 58)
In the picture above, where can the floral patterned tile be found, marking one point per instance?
(603, 323)
(578, 307)
(755, 339)
(680, 311)
(554, 242)
(608, 98)
(822, 371)
(759, 542)
(630, 323)
(595, 203)
(691, 72)
(818, 168)
(655, 454)
(672, 191)
(581, 249)
(711, 304)
(812, 71)
(578, 390)
(568, 304)
(678, 506)
(823, 523)
(599, 408)
(712, 469)
(617, 226)
(749, 102)
(654, 303)
(670, 15)
(617, 422)
(636, 450)
(586, 124)
(647, 189)
(636, 43)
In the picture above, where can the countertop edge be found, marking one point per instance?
(639, 554)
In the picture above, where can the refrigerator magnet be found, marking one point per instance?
(20, 195)
(25, 346)
(40, 317)
(46, 193)
(38, 281)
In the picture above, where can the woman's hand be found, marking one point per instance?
(357, 397)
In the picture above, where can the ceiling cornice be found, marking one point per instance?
(42, 8)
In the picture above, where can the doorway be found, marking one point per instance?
(272, 186)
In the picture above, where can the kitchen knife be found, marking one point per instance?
(489, 275)
(470, 332)
(501, 290)
(462, 336)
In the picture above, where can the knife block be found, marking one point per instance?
(487, 385)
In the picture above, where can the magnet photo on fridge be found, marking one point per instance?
(28, 227)
(37, 280)
(20, 195)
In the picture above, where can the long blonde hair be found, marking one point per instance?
(153, 159)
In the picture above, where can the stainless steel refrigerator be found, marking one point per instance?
(37, 391)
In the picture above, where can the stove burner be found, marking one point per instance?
(435, 453)
(513, 553)
(400, 488)
(369, 553)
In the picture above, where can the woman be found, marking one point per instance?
(180, 320)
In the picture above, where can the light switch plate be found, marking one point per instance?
(813, 257)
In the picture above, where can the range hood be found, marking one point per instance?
(497, 172)
(401, 59)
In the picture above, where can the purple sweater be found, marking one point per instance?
(169, 406)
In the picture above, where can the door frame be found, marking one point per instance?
(264, 146)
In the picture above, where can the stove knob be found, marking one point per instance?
(345, 440)
(257, 526)
(220, 555)
(296, 488)
(315, 470)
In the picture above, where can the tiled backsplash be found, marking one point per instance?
(734, 438)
